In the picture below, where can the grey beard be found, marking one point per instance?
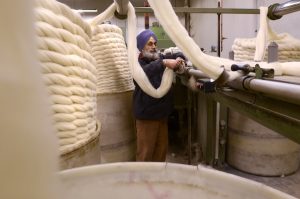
(151, 56)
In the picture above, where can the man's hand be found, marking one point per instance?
(173, 64)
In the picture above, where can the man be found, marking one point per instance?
(151, 114)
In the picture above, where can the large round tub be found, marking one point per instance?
(160, 181)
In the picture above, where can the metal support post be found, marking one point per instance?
(122, 8)
(272, 52)
(207, 127)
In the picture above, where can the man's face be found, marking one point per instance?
(150, 45)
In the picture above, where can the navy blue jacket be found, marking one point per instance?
(146, 107)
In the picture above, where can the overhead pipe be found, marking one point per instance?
(276, 11)
(203, 10)
(122, 8)
(280, 90)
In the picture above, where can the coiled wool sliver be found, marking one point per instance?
(60, 108)
(69, 71)
(59, 90)
(59, 46)
(50, 56)
(109, 50)
(50, 67)
(82, 130)
(288, 49)
(62, 9)
(67, 117)
(107, 29)
(80, 122)
(60, 99)
(77, 81)
(59, 21)
(80, 115)
(44, 29)
(67, 141)
(76, 90)
(77, 99)
(65, 60)
(107, 38)
(64, 126)
(58, 79)
(80, 107)
(66, 134)
(120, 55)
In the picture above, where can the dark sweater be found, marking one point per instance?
(146, 107)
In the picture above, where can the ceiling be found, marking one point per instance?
(101, 5)
(89, 4)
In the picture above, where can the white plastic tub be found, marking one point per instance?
(160, 181)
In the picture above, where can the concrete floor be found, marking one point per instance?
(288, 184)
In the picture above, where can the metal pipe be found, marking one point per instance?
(279, 90)
(204, 10)
(276, 11)
(196, 73)
(122, 7)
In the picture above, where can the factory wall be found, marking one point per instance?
(204, 26)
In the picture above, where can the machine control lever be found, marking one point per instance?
(259, 72)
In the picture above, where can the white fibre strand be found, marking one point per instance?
(165, 14)
(106, 15)
(136, 70)
(262, 34)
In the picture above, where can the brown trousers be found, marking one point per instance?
(152, 140)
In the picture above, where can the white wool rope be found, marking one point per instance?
(66, 60)
(208, 64)
(59, 21)
(69, 72)
(59, 46)
(136, 70)
(261, 35)
(109, 50)
(105, 15)
(168, 19)
(46, 30)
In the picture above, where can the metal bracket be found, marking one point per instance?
(206, 85)
(259, 72)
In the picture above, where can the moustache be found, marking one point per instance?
(151, 56)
